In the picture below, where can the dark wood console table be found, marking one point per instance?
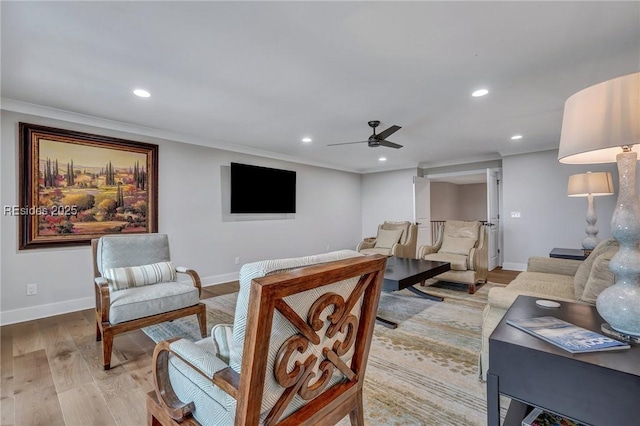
(598, 388)
(568, 253)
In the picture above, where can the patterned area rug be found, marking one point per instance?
(422, 373)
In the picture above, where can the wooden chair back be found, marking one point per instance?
(320, 357)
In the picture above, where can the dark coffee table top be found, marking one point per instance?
(401, 272)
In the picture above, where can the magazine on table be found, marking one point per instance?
(567, 336)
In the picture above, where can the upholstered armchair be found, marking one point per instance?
(296, 353)
(397, 239)
(136, 285)
(464, 245)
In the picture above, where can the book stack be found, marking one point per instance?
(539, 417)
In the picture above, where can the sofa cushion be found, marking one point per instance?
(600, 278)
(139, 302)
(138, 276)
(387, 238)
(459, 237)
(584, 270)
(458, 262)
(545, 285)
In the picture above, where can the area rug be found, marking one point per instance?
(422, 373)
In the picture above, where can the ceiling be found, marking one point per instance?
(257, 77)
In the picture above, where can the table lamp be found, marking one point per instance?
(601, 124)
(590, 185)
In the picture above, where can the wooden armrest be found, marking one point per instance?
(226, 379)
(194, 277)
(103, 298)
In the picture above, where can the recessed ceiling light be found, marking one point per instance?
(306, 140)
(142, 93)
(516, 137)
(382, 159)
(479, 92)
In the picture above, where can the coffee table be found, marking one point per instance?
(402, 273)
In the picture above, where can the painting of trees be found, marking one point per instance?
(88, 185)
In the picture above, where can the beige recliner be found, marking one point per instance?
(397, 239)
(464, 245)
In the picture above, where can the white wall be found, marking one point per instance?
(444, 200)
(386, 196)
(472, 201)
(458, 202)
(190, 211)
(536, 185)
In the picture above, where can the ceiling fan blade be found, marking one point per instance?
(390, 144)
(388, 132)
(346, 143)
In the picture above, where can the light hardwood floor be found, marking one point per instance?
(51, 370)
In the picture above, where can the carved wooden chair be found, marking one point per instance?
(136, 285)
(295, 355)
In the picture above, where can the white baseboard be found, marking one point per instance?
(510, 266)
(219, 279)
(42, 311)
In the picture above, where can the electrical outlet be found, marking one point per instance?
(238, 260)
(515, 215)
(32, 289)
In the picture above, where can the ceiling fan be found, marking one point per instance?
(380, 139)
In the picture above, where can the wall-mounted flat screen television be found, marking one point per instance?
(257, 189)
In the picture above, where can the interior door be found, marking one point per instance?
(493, 217)
(422, 209)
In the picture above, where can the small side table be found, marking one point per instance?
(597, 388)
(568, 253)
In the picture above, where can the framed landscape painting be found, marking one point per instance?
(77, 186)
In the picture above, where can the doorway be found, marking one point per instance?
(464, 195)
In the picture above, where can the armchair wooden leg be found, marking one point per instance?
(422, 283)
(107, 347)
(472, 288)
(202, 320)
(357, 415)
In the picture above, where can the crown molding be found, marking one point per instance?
(88, 120)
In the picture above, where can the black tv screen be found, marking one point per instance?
(257, 189)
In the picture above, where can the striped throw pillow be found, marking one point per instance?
(137, 276)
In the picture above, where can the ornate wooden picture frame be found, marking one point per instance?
(77, 186)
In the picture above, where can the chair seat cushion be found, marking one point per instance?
(140, 302)
(458, 261)
(383, 251)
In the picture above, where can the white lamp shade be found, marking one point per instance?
(596, 184)
(599, 120)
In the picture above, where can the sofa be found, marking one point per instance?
(550, 278)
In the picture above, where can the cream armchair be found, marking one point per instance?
(463, 245)
(397, 239)
(136, 285)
